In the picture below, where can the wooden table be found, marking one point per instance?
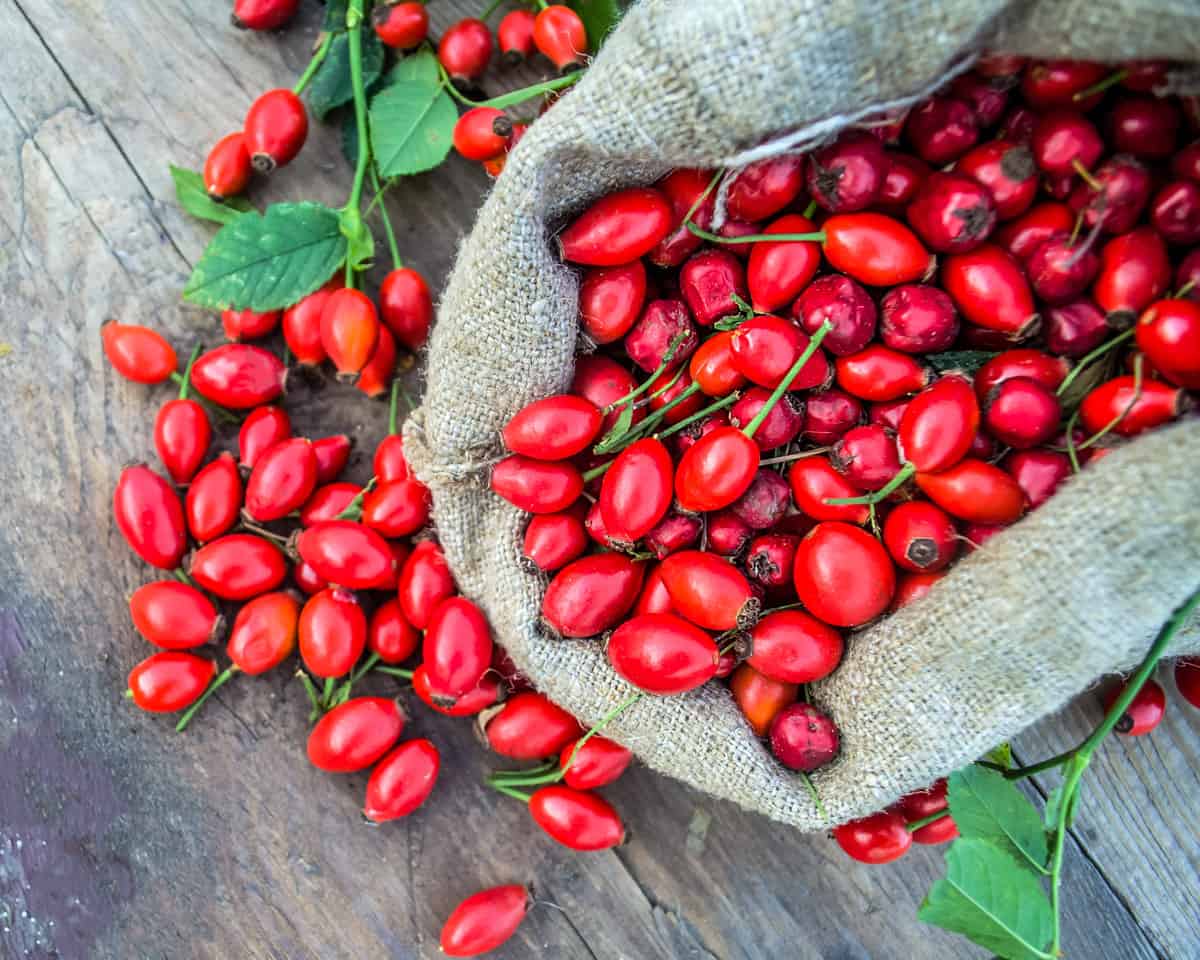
(120, 839)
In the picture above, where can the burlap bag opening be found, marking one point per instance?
(1074, 591)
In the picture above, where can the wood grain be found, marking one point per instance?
(120, 839)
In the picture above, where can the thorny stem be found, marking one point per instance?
(818, 237)
(1087, 358)
(820, 334)
(397, 262)
(187, 373)
(313, 65)
(220, 681)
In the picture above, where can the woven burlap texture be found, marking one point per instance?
(1073, 591)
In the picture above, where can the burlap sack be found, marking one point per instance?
(1074, 591)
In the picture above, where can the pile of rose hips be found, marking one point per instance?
(795, 422)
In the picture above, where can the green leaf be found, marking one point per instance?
(986, 805)
(598, 16)
(411, 128)
(1002, 755)
(418, 67)
(989, 899)
(350, 137)
(335, 16)
(1096, 373)
(332, 86)
(967, 361)
(360, 242)
(268, 262)
(1050, 814)
(620, 427)
(190, 192)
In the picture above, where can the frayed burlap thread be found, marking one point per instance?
(1073, 591)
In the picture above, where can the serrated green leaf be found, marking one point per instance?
(620, 427)
(420, 67)
(598, 16)
(331, 86)
(350, 138)
(412, 127)
(335, 16)
(967, 361)
(190, 192)
(989, 899)
(268, 262)
(986, 805)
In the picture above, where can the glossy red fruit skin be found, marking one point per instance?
(174, 616)
(1055, 82)
(465, 49)
(302, 327)
(401, 26)
(349, 330)
(829, 414)
(489, 691)
(783, 422)
(355, 734)
(402, 781)
(618, 228)
(974, 491)
(1144, 713)
(457, 649)
(484, 921)
(592, 594)
(875, 249)
(238, 566)
(683, 188)
(712, 366)
(327, 502)
(708, 590)
(348, 554)
(560, 36)
(708, 281)
(275, 129)
(1187, 275)
(889, 413)
(913, 586)
(925, 803)
(1134, 272)
(406, 307)
(1187, 679)
(779, 270)
(1123, 194)
(1007, 171)
(1157, 404)
(793, 647)
(166, 682)
(1038, 473)
(333, 632)
(425, 581)
(878, 373)
(397, 509)
(867, 456)
(637, 490)
(597, 763)
(138, 353)
(843, 575)
(769, 560)
(814, 481)
(716, 470)
(920, 537)
(214, 499)
(916, 318)
(263, 429)
(1175, 212)
(264, 633)
(552, 540)
(1022, 413)
(843, 303)
(515, 36)
(263, 14)
(307, 579)
(576, 819)
(952, 213)
(727, 537)
(1168, 332)
(283, 478)
(528, 726)
(240, 325)
(990, 290)
(389, 462)
(904, 176)
(536, 486)
(611, 299)
(880, 838)
(375, 378)
(390, 635)
(1064, 138)
(1074, 329)
(1143, 126)
(603, 381)
(482, 133)
(848, 174)
(759, 697)
(765, 187)
(1047, 370)
(554, 428)
(765, 348)
(238, 376)
(803, 738)
(1060, 271)
(662, 654)
(942, 129)
(182, 434)
(1025, 234)
(227, 168)
(332, 454)
(150, 517)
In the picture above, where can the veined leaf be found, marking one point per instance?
(412, 127)
(987, 806)
(968, 361)
(988, 898)
(190, 192)
(598, 16)
(420, 66)
(331, 86)
(268, 262)
(335, 16)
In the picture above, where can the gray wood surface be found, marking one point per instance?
(120, 839)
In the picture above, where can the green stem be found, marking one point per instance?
(393, 406)
(354, 16)
(353, 510)
(810, 210)
(926, 821)
(595, 472)
(187, 373)
(1070, 435)
(646, 427)
(1184, 290)
(1020, 773)
(814, 343)
(327, 692)
(726, 401)
(879, 495)
(1087, 358)
(395, 672)
(313, 65)
(608, 718)
(313, 697)
(513, 97)
(217, 411)
(503, 776)
(704, 195)
(645, 384)
(182, 577)
(802, 455)
(221, 680)
(515, 794)
(397, 263)
(1086, 175)
(818, 237)
(1100, 86)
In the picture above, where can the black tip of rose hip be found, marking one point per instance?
(571, 67)
(1120, 320)
(502, 127)
(1125, 724)
(262, 162)
(379, 16)
(922, 552)
(512, 58)
(236, 21)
